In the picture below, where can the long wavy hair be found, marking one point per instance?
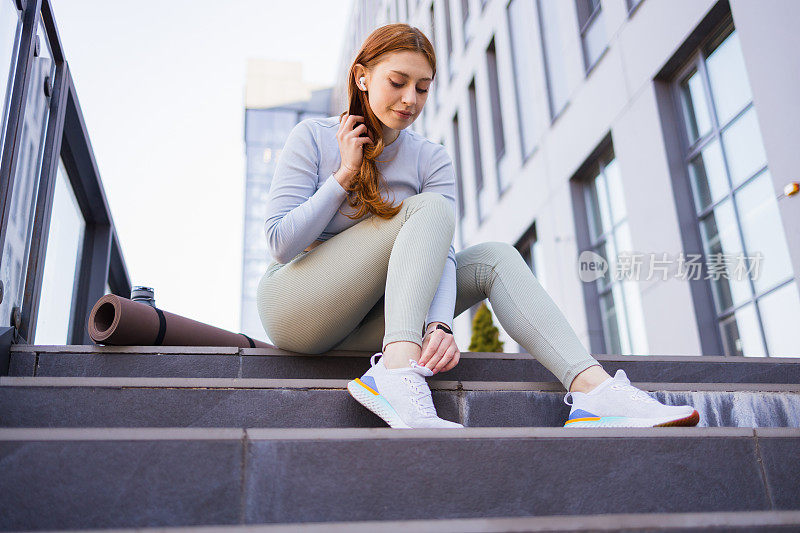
(363, 193)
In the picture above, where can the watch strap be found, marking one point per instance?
(444, 328)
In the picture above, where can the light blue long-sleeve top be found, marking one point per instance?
(304, 197)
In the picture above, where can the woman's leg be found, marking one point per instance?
(317, 299)
(497, 271)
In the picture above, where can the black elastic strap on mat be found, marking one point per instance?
(162, 327)
(252, 344)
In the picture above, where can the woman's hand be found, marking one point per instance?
(439, 350)
(351, 142)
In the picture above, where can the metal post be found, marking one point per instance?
(44, 204)
(19, 97)
(93, 273)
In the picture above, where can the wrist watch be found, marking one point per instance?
(444, 328)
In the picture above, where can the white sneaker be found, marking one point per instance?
(617, 403)
(400, 396)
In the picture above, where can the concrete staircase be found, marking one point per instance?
(112, 437)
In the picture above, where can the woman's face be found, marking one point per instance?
(398, 84)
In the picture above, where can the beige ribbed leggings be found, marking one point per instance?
(373, 283)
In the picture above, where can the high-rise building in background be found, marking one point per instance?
(276, 99)
(662, 128)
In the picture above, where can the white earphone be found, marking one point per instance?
(361, 80)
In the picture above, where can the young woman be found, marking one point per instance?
(386, 277)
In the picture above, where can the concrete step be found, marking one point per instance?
(163, 477)
(744, 521)
(182, 361)
(284, 403)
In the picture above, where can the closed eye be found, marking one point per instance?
(421, 91)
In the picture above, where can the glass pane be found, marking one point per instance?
(594, 40)
(633, 305)
(615, 195)
(64, 244)
(780, 314)
(622, 319)
(599, 211)
(538, 263)
(549, 24)
(10, 34)
(744, 148)
(608, 252)
(707, 172)
(520, 13)
(593, 213)
(729, 85)
(610, 328)
(269, 127)
(26, 182)
(741, 334)
(695, 108)
(763, 232)
(721, 236)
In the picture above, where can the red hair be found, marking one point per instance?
(363, 192)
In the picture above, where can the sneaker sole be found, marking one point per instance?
(622, 421)
(375, 403)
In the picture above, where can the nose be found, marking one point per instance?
(410, 97)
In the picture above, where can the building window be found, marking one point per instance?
(618, 297)
(465, 21)
(593, 31)
(734, 201)
(552, 46)
(480, 190)
(497, 113)
(459, 178)
(432, 36)
(449, 35)
(530, 249)
(633, 4)
(519, 13)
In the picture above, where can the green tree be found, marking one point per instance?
(485, 335)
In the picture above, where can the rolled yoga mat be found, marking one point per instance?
(122, 322)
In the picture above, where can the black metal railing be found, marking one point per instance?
(65, 143)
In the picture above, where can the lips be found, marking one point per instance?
(404, 115)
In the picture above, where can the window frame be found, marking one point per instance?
(690, 150)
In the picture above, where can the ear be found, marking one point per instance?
(359, 71)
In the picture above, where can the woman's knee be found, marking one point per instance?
(498, 250)
(496, 253)
(436, 201)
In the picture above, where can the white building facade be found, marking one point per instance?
(657, 134)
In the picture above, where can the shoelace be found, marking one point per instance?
(420, 396)
(635, 394)
(417, 386)
(621, 384)
(421, 393)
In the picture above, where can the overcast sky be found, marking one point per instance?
(161, 84)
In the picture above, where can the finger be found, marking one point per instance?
(453, 362)
(446, 358)
(436, 348)
(435, 358)
(357, 131)
(423, 356)
(351, 120)
(429, 348)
